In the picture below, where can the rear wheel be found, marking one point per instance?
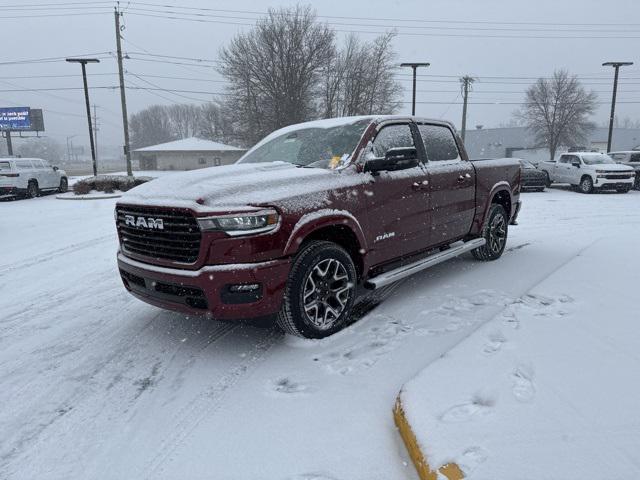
(495, 233)
(32, 189)
(586, 184)
(547, 179)
(64, 185)
(320, 291)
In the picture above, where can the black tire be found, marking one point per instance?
(548, 179)
(636, 184)
(324, 299)
(586, 184)
(64, 185)
(32, 189)
(495, 232)
(541, 189)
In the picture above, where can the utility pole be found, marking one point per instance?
(9, 144)
(95, 128)
(83, 63)
(616, 66)
(414, 66)
(123, 97)
(466, 82)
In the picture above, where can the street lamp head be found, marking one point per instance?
(617, 64)
(415, 65)
(83, 60)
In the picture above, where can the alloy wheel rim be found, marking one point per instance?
(497, 233)
(585, 185)
(326, 292)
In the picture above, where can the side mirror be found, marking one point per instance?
(575, 164)
(55, 169)
(400, 158)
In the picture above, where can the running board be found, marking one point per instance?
(387, 278)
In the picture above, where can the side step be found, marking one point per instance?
(407, 270)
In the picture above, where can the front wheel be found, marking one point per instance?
(494, 232)
(320, 291)
(586, 185)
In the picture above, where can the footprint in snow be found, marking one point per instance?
(287, 386)
(494, 344)
(510, 319)
(471, 458)
(464, 412)
(523, 387)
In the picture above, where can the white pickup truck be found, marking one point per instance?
(589, 171)
(29, 176)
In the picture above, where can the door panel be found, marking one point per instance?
(397, 201)
(452, 185)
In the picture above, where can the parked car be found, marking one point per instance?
(28, 177)
(310, 217)
(631, 159)
(532, 178)
(589, 171)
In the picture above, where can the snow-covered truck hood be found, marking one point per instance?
(611, 167)
(240, 185)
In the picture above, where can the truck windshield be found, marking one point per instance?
(311, 147)
(597, 159)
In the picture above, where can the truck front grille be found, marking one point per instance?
(178, 240)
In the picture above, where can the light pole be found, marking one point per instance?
(616, 66)
(414, 66)
(83, 62)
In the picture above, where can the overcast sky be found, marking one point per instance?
(436, 34)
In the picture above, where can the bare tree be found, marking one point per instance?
(41, 147)
(184, 119)
(151, 126)
(557, 111)
(358, 80)
(274, 69)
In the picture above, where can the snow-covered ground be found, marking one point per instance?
(548, 388)
(97, 385)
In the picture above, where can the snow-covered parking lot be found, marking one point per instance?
(97, 385)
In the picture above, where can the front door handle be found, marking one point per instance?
(423, 185)
(464, 177)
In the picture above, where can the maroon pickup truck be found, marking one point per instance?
(311, 217)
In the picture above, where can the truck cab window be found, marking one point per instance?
(439, 143)
(392, 136)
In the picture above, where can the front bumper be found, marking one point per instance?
(207, 291)
(608, 183)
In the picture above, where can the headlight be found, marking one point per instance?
(242, 223)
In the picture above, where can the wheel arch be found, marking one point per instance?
(338, 227)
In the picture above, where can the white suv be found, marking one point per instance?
(30, 176)
(589, 171)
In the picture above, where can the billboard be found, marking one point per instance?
(15, 118)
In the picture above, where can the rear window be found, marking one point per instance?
(5, 166)
(438, 142)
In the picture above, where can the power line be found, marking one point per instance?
(51, 59)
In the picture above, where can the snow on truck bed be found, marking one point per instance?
(547, 389)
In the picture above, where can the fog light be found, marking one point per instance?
(244, 288)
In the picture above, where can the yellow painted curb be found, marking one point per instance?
(451, 471)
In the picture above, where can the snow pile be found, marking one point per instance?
(548, 388)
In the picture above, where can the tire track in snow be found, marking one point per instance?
(45, 257)
(83, 402)
(205, 404)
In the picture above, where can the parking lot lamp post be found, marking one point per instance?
(414, 66)
(616, 66)
(83, 62)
